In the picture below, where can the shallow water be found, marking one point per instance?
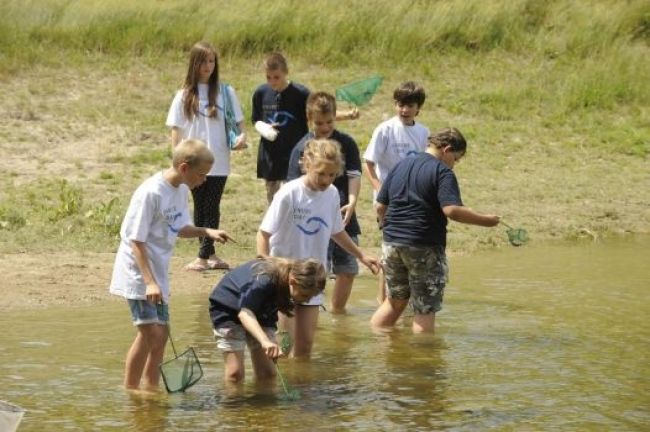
(541, 337)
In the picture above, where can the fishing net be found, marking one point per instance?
(359, 92)
(10, 416)
(516, 236)
(182, 371)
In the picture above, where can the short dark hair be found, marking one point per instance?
(449, 137)
(410, 92)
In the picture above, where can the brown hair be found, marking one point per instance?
(276, 61)
(309, 274)
(193, 152)
(198, 54)
(410, 92)
(448, 137)
(319, 151)
(321, 102)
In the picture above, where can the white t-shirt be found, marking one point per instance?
(301, 222)
(208, 129)
(156, 213)
(391, 142)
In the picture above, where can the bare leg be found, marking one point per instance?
(147, 347)
(424, 323)
(388, 313)
(305, 321)
(262, 365)
(233, 371)
(341, 294)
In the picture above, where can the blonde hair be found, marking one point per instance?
(309, 274)
(320, 151)
(193, 152)
(322, 103)
(276, 61)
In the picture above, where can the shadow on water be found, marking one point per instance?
(536, 338)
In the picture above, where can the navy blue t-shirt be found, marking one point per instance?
(242, 288)
(288, 109)
(351, 162)
(415, 191)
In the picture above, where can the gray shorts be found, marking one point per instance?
(340, 261)
(418, 273)
(234, 337)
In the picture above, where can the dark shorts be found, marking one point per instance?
(418, 273)
(340, 261)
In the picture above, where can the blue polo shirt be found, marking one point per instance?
(415, 191)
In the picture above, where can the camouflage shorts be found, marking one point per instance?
(418, 273)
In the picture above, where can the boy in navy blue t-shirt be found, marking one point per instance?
(413, 205)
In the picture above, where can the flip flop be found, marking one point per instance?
(196, 266)
(218, 264)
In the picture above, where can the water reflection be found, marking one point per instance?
(535, 338)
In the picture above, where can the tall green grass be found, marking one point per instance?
(595, 53)
(328, 31)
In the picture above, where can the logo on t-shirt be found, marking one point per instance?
(312, 225)
(280, 118)
(171, 219)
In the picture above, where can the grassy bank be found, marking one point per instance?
(553, 97)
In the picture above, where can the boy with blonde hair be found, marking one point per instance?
(157, 214)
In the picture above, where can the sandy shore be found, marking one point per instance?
(33, 281)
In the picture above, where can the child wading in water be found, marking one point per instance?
(413, 205)
(156, 216)
(321, 113)
(198, 111)
(244, 309)
(395, 139)
(302, 218)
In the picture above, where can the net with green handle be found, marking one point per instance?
(516, 236)
(182, 371)
(359, 92)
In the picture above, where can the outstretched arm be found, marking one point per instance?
(343, 239)
(468, 216)
(190, 231)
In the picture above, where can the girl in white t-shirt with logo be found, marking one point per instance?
(303, 216)
(199, 111)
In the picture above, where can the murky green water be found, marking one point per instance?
(536, 338)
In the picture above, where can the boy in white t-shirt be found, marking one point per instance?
(302, 218)
(157, 214)
(394, 140)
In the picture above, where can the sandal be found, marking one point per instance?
(218, 264)
(197, 266)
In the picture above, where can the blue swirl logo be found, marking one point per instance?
(312, 225)
(412, 152)
(281, 118)
(171, 228)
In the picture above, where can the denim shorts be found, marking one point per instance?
(234, 337)
(339, 260)
(418, 273)
(144, 312)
